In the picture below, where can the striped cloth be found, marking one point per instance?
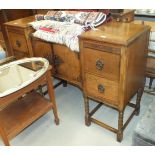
(64, 27)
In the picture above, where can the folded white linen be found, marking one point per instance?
(58, 32)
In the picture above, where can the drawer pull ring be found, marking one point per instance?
(101, 88)
(18, 43)
(99, 64)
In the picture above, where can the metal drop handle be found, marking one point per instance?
(101, 88)
(18, 43)
(99, 64)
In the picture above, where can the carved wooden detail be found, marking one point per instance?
(101, 47)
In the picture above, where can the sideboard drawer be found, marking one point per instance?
(101, 88)
(104, 64)
(18, 42)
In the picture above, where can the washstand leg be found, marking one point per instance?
(139, 96)
(120, 126)
(4, 136)
(87, 117)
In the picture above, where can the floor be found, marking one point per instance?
(72, 130)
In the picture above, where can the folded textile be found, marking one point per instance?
(89, 19)
(39, 17)
(63, 27)
(58, 32)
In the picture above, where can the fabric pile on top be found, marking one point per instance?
(86, 18)
(58, 32)
(64, 27)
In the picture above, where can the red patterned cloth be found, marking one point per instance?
(52, 30)
(88, 18)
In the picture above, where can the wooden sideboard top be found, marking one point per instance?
(122, 12)
(112, 32)
(22, 22)
(150, 23)
(116, 33)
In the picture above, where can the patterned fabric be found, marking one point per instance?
(92, 16)
(81, 17)
(51, 13)
(55, 15)
(58, 32)
(39, 17)
(95, 19)
(89, 19)
(63, 27)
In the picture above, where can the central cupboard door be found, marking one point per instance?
(60, 61)
(67, 63)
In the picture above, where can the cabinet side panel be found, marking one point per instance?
(41, 49)
(136, 65)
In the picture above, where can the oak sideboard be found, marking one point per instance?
(110, 67)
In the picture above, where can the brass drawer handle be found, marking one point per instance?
(99, 64)
(18, 43)
(101, 88)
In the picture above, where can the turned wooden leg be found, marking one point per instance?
(87, 117)
(56, 120)
(4, 137)
(120, 126)
(64, 83)
(150, 83)
(52, 97)
(139, 96)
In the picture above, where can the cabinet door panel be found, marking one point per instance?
(41, 49)
(61, 66)
(73, 66)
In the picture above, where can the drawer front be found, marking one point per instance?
(18, 42)
(15, 29)
(103, 64)
(73, 64)
(101, 88)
